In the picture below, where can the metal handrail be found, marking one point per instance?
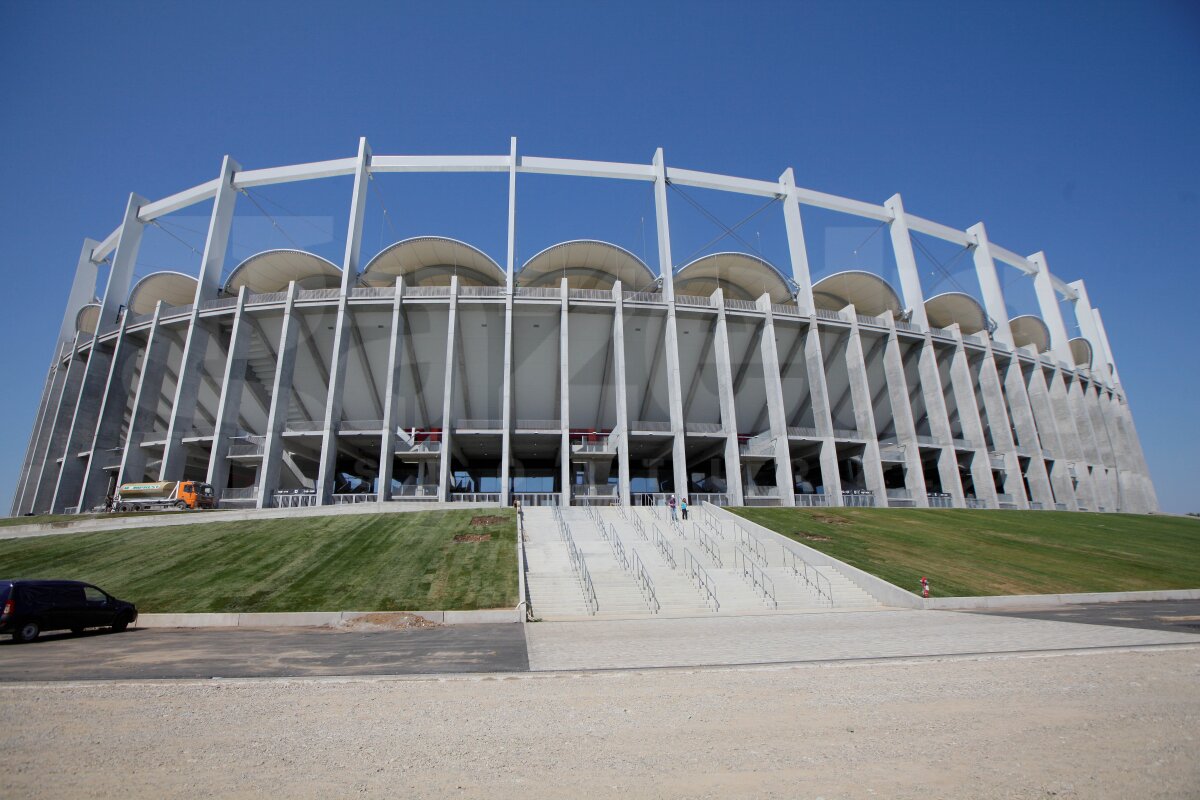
(714, 524)
(580, 565)
(664, 547)
(753, 545)
(751, 572)
(700, 575)
(642, 578)
(619, 549)
(809, 574)
(640, 527)
(710, 546)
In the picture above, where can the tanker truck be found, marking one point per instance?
(161, 495)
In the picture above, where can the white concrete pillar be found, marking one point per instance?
(1048, 431)
(864, 412)
(671, 332)
(391, 402)
(229, 405)
(1004, 418)
(620, 393)
(814, 360)
(1112, 362)
(1047, 299)
(506, 391)
(106, 437)
(776, 410)
(449, 386)
(45, 470)
(939, 421)
(191, 365)
(145, 400)
(906, 262)
(281, 398)
(564, 395)
(797, 249)
(989, 285)
(902, 418)
(962, 385)
(733, 458)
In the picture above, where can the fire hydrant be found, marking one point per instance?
(924, 587)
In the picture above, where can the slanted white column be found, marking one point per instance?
(448, 386)
(814, 361)
(1048, 305)
(797, 250)
(733, 459)
(1085, 315)
(39, 493)
(1112, 362)
(341, 331)
(670, 331)
(1060, 408)
(620, 395)
(864, 411)
(106, 438)
(191, 365)
(83, 289)
(564, 396)
(939, 420)
(776, 411)
(906, 262)
(281, 399)
(902, 417)
(1003, 419)
(229, 405)
(145, 401)
(85, 405)
(391, 401)
(963, 387)
(989, 285)
(506, 392)
(1048, 431)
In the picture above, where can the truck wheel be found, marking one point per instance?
(123, 508)
(181, 505)
(27, 633)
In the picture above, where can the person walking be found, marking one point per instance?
(671, 505)
(683, 507)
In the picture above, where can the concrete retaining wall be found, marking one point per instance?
(891, 595)
(319, 618)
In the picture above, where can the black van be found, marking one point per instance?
(29, 607)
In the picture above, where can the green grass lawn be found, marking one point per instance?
(64, 519)
(970, 553)
(371, 562)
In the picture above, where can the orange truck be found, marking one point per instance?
(161, 495)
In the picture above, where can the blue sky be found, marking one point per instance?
(1067, 127)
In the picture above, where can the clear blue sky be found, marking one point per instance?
(1072, 128)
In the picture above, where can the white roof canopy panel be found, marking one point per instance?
(740, 275)
(587, 264)
(433, 261)
(945, 309)
(868, 293)
(87, 318)
(1081, 351)
(273, 270)
(1030, 330)
(172, 288)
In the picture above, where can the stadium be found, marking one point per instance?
(435, 371)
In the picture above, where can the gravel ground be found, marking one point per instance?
(1092, 725)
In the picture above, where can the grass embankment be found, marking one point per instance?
(66, 519)
(377, 562)
(972, 553)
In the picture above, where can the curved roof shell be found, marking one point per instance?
(432, 261)
(172, 288)
(273, 270)
(740, 275)
(1030, 330)
(1081, 352)
(587, 264)
(868, 293)
(948, 308)
(87, 318)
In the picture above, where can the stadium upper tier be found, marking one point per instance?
(435, 370)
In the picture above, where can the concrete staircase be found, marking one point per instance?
(666, 553)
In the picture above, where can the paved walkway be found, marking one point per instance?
(828, 636)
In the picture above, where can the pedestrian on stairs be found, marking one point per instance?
(671, 505)
(683, 507)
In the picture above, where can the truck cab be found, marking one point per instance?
(197, 495)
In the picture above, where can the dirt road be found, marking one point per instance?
(1094, 725)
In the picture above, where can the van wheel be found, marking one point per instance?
(77, 631)
(120, 625)
(27, 632)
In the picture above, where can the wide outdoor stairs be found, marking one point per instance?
(720, 550)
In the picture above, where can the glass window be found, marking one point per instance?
(94, 595)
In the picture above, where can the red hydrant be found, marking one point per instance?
(924, 587)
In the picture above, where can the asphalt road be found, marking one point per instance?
(1180, 616)
(264, 652)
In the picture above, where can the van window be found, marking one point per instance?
(94, 595)
(67, 596)
(5, 591)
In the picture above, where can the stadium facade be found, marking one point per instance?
(435, 372)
